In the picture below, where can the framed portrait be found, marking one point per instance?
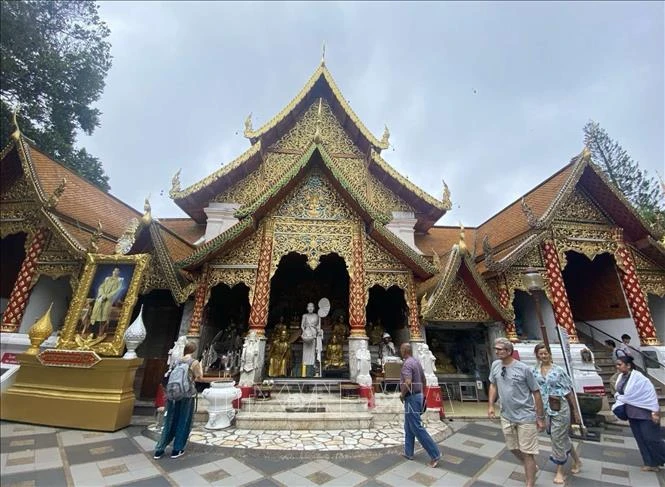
(102, 305)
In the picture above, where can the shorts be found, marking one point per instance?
(520, 436)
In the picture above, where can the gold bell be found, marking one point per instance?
(39, 332)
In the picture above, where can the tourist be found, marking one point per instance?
(557, 390)
(625, 346)
(412, 382)
(387, 349)
(178, 415)
(616, 353)
(637, 401)
(522, 414)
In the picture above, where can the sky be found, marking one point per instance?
(490, 97)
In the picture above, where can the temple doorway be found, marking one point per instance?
(386, 312)
(293, 286)
(225, 325)
(12, 248)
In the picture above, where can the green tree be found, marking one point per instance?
(53, 60)
(642, 190)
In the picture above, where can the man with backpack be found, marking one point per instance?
(180, 394)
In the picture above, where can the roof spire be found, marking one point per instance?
(146, 219)
(323, 54)
(446, 196)
(17, 130)
(586, 153)
(248, 125)
(386, 136)
(175, 183)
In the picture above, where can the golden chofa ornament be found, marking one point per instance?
(39, 332)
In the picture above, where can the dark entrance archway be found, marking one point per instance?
(294, 285)
(387, 308)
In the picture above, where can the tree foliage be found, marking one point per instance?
(642, 190)
(53, 58)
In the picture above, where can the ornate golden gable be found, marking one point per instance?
(580, 208)
(459, 305)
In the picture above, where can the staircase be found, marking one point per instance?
(607, 368)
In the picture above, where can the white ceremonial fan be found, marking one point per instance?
(324, 307)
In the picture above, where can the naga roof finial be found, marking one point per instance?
(446, 196)
(462, 242)
(146, 219)
(323, 54)
(248, 125)
(52, 202)
(386, 136)
(17, 130)
(92, 246)
(586, 153)
(531, 218)
(436, 260)
(175, 183)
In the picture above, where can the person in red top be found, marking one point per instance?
(412, 384)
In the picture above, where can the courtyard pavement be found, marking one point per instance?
(474, 455)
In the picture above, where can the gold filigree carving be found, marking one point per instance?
(580, 208)
(514, 282)
(234, 276)
(378, 258)
(386, 280)
(652, 283)
(584, 238)
(642, 263)
(383, 198)
(20, 190)
(533, 258)
(459, 305)
(247, 252)
(312, 238)
(314, 198)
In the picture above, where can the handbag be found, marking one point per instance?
(620, 412)
(555, 403)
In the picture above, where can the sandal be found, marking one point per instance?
(435, 462)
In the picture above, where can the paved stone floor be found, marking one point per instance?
(474, 455)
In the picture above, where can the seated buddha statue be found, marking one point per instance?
(335, 352)
(374, 333)
(340, 328)
(280, 354)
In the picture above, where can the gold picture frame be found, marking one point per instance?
(103, 303)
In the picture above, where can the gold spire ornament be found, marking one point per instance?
(446, 196)
(435, 259)
(39, 332)
(423, 304)
(323, 54)
(586, 153)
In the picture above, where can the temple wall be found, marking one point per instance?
(47, 290)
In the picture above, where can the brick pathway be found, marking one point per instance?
(474, 455)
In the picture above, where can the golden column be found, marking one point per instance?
(414, 318)
(504, 299)
(563, 315)
(258, 315)
(357, 287)
(639, 306)
(18, 299)
(199, 303)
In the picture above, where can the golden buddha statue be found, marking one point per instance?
(375, 333)
(340, 328)
(335, 352)
(444, 364)
(280, 353)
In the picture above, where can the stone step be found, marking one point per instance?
(303, 421)
(295, 402)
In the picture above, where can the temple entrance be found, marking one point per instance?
(293, 286)
(386, 312)
(12, 248)
(596, 298)
(226, 323)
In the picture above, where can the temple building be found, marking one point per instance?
(312, 213)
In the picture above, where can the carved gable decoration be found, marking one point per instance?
(532, 258)
(247, 253)
(580, 208)
(377, 258)
(459, 305)
(248, 189)
(20, 190)
(315, 199)
(644, 264)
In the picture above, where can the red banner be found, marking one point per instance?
(83, 359)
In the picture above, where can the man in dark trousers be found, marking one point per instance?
(412, 382)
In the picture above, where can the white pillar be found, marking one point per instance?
(220, 218)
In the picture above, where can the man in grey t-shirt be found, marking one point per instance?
(522, 414)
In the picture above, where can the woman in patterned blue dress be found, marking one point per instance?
(557, 391)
